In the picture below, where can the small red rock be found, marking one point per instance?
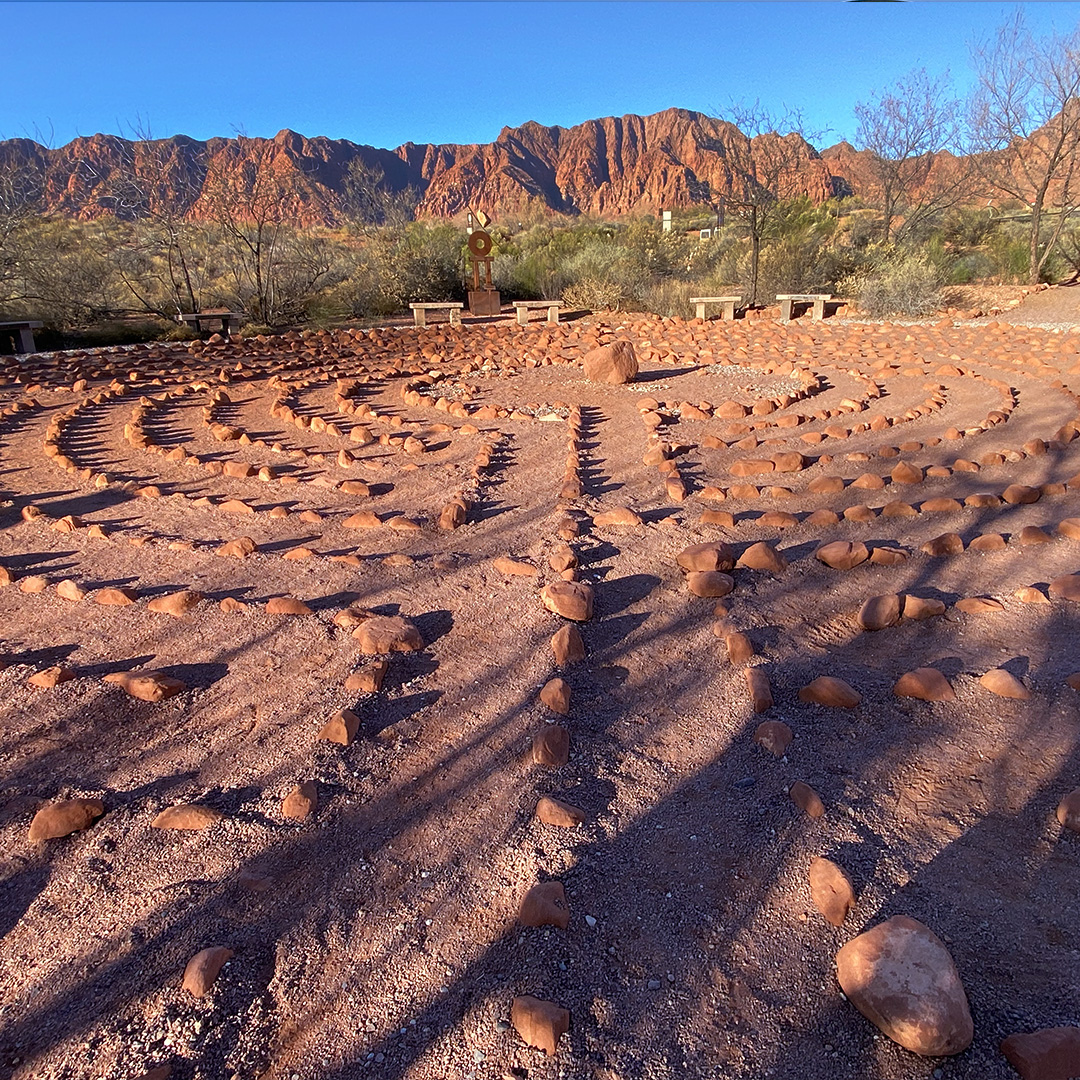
(539, 1023)
(203, 969)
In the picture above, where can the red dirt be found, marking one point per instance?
(377, 938)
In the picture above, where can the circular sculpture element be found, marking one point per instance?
(480, 244)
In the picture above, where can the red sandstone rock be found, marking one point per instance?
(64, 817)
(925, 684)
(614, 363)
(539, 1023)
(901, 977)
(831, 890)
(203, 969)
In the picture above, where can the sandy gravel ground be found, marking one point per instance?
(379, 936)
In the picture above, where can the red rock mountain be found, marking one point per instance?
(610, 167)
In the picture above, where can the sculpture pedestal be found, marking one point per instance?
(484, 302)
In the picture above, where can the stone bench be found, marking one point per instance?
(522, 307)
(224, 322)
(453, 306)
(819, 300)
(726, 312)
(22, 334)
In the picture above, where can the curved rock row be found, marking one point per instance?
(384, 747)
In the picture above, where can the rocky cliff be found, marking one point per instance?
(610, 167)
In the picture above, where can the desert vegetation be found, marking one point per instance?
(936, 192)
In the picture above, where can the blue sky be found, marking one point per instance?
(386, 73)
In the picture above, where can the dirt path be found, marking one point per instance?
(379, 936)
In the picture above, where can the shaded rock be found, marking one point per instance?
(341, 728)
(387, 634)
(979, 605)
(739, 647)
(1016, 494)
(988, 542)
(301, 801)
(554, 812)
(368, 679)
(828, 690)
(709, 583)
(203, 969)
(64, 817)
(925, 684)
(762, 556)
(944, 545)
(901, 977)
(899, 509)
(919, 607)
(887, 556)
(831, 890)
(571, 599)
(940, 505)
(147, 685)
(1049, 1054)
(539, 1023)
(714, 555)
(1068, 811)
(555, 694)
(567, 645)
(842, 554)
(807, 799)
(1005, 684)
(1066, 587)
(551, 746)
(879, 612)
(774, 735)
(757, 682)
(191, 816)
(545, 905)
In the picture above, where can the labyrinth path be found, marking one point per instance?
(373, 696)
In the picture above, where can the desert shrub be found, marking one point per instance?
(903, 283)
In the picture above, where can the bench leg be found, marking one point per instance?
(728, 311)
(455, 316)
(419, 317)
(26, 341)
(819, 310)
(701, 312)
(785, 311)
(522, 316)
(553, 316)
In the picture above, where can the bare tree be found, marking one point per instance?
(156, 185)
(906, 130)
(274, 267)
(369, 200)
(766, 168)
(1026, 123)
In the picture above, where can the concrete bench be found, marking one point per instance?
(21, 333)
(819, 300)
(453, 306)
(522, 307)
(224, 322)
(726, 312)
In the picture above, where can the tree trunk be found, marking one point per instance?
(755, 253)
(1033, 242)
